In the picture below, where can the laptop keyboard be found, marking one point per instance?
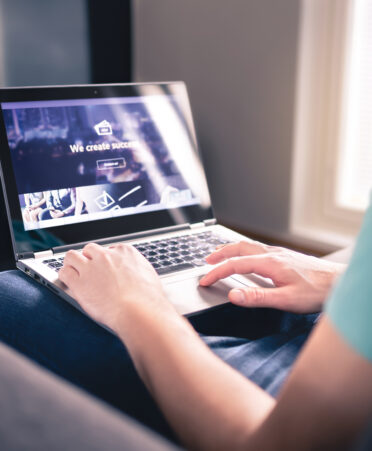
(171, 254)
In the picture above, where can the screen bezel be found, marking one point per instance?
(99, 229)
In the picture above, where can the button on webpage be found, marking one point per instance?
(111, 163)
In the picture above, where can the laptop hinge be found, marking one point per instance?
(205, 223)
(43, 254)
(24, 255)
(197, 225)
(209, 222)
(130, 236)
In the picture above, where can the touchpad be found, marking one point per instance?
(188, 297)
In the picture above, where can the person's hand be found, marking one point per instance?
(56, 214)
(301, 282)
(109, 282)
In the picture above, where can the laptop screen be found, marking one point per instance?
(79, 160)
(92, 159)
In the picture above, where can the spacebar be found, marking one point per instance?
(168, 269)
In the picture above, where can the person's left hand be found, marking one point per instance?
(111, 282)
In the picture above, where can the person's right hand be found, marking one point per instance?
(302, 282)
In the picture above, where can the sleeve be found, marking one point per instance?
(349, 307)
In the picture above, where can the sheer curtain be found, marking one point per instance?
(354, 178)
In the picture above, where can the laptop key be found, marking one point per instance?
(140, 248)
(188, 258)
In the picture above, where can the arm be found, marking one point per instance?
(327, 400)
(188, 381)
(40, 203)
(79, 203)
(27, 201)
(210, 405)
(60, 213)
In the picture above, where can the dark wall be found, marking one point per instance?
(6, 254)
(110, 41)
(54, 42)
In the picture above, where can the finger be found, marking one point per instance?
(121, 247)
(237, 250)
(92, 250)
(260, 297)
(69, 276)
(124, 249)
(263, 265)
(75, 259)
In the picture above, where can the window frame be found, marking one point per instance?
(320, 104)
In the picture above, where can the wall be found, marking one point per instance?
(238, 58)
(43, 42)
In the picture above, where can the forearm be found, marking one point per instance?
(79, 207)
(209, 404)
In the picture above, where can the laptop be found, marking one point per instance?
(108, 164)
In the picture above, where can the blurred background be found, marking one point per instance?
(281, 94)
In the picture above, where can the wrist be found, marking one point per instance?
(140, 324)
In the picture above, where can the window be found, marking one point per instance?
(354, 169)
(332, 163)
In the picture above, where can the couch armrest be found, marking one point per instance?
(341, 256)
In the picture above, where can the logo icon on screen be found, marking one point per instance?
(104, 200)
(103, 128)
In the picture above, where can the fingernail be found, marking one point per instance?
(237, 296)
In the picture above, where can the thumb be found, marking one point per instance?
(257, 297)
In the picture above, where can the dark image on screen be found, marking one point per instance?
(75, 153)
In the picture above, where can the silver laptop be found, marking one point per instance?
(110, 163)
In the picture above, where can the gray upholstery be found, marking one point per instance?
(41, 412)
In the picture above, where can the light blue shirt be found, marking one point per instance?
(350, 304)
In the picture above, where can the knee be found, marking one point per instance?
(18, 292)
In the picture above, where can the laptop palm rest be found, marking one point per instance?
(189, 297)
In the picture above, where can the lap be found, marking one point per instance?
(47, 329)
(260, 343)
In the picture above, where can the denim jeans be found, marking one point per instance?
(262, 344)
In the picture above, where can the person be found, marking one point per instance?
(33, 206)
(59, 203)
(325, 401)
